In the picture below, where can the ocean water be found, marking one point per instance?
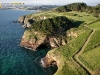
(15, 60)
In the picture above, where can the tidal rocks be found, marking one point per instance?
(15, 21)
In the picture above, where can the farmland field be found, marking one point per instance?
(91, 58)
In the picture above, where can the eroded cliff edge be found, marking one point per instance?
(49, 32)
(34, 39)
(54, 58)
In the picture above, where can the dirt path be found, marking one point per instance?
(81, 51)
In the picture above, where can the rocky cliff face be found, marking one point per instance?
(53, 58)
(44, 33)
(33, 40)
(27, 20)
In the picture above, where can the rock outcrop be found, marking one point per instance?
(45, 33)
(54, 58)
(46, 62)
(21, 19)
(33, 40)
(26, 22)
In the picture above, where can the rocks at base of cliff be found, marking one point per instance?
(15, 21)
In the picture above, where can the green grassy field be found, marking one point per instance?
(94, 41)
(95, 26)
(92, 58)
(91, 55)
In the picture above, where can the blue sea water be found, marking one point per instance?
(15, 60)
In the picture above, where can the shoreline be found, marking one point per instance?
(18, 9)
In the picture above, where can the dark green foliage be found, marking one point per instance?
(89, 9)
(77, 6)
(63, 9)
(81, 7)
(72, 7)
(96, 12)
(53, 26)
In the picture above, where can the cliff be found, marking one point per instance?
(54, 58)
(28, 20)
(45, 33)
(34, 39)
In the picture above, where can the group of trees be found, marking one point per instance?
(80, 7)
(53, 26)
(94, 9)
(72, 7)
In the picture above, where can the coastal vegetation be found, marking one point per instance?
(82, 7)
(81, 26)
(53, 26)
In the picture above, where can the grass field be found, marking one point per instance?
(95, 26)
(94, 41)
(91, 55)
(92, 58)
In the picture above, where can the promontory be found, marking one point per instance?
(71, 32)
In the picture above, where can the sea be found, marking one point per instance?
(15, 60)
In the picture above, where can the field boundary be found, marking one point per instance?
(77, 54)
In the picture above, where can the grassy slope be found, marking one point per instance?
(71, 67)
(95, 26)
(81, 16)
(90, 56)
(94, 41)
